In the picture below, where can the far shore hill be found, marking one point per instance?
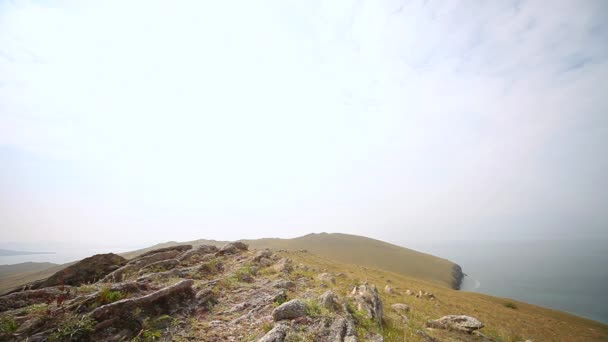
(9, 252)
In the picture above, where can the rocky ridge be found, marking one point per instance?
(212, 294)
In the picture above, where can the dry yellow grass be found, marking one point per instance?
(502, 323)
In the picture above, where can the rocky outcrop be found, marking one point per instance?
(293, 309)
(163, 265)
(329, 300)
(197, 252)
(86, 271)
(462, 323)
(266, 253)
(457, 277)
(178, 248)
(48, 295)
(233, 248)
(137, 264)
(368, 300)
(161, 301)
(284, 265)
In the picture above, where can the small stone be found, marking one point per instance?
(400, 307)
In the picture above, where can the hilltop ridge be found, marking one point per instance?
(353, 249)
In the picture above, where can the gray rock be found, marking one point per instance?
(284, 265)
(462, 323)
(163, 265)
(276, 334)
(178, 248)
(141, 262)
(389, 289)
(293, 309)
(233, 248)
(368, 300)
(198, 251)
(342, 330)
(174, 294)
(329, 300)
(262, 254)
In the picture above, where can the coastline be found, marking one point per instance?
(457, 277)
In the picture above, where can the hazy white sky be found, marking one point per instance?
(144, 121)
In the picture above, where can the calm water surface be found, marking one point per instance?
(568, 275)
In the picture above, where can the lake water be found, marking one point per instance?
(62, 256)
(568, 275)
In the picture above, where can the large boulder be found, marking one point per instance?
(368, 300)
(462, 323)
(88, 270)
(289, 310)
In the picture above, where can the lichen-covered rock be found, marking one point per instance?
(329, 300)
(163, 265)
(161, 301)
(368, 300)
(88, 270)
(343, 330)
(276, 334)
(462, 323)
(289, 310)
(233, 248)
(57, 294)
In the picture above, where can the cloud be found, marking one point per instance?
(370, 117)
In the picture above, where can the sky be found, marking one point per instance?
(128, 122)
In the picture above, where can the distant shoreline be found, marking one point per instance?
(7, 252)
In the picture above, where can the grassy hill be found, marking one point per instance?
(353, 249)
(237, 294)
